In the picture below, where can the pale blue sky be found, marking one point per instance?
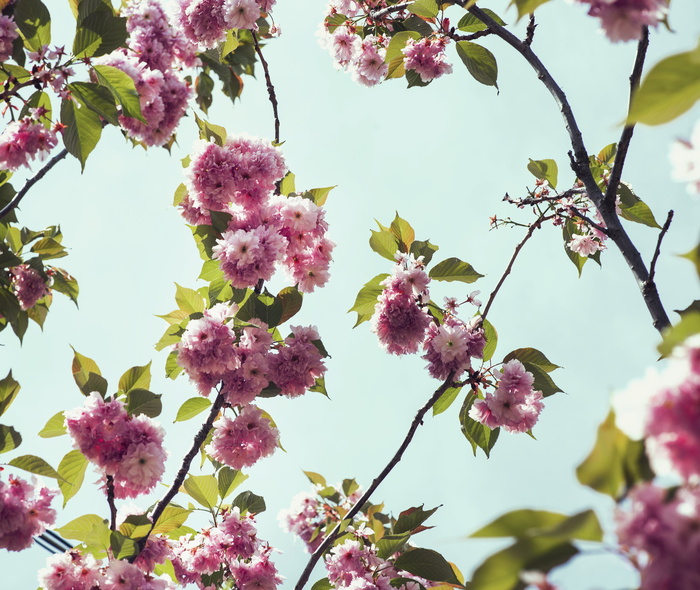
(443, 156)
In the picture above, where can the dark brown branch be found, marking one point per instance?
(628, 131)
(572, 192)
(270, 88)
(531, 230)
(455, 37)
(328, 540)
(530, 34)
(174, 488)
(579, 164)
(110, 501)
(657, 251)
(32, 181)
(380, 14)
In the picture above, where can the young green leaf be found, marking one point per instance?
(454, 269)
(9, 390)
(480, 62)
(367, 299)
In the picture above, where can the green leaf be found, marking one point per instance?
(89, 529)
(404, 233)
(66, 284)
(694, 257)
(446, 400)
(608, 153)
(532, 523)
(228, 480)
(38, 100)
(87, 375)
(544, 170)
(191, 408)
(688, 326)
(384, 243)
(367, 299)
(34, 23)
(568, 231)
(320, 195)
(480, 62)
(135, 526)
(122, 547)
(97, 98)
(142, 401)
(471, 24)
(668, 90)
(287, 184)
(543, 382)
(423, 248)
(427, 564)
(34, 464)
(135, 377)
(412, 519)
(203, 489)
(122, 87)
(250, 503)
(478, 435)
(171, 519)
(397, 43)
(632, 208)
(454, 269)
(615, 463)
(526, 6)
(72, 471)
(54, 427)
(322, 584)
(316, 478)
(189, 300)
(390, 544)
(291, 300)
(172, 369)
(424, 8)
(9, 390)
(531, 356)
(98, 30)
(264, 307)
(491, 337)
(415, 23)
(83, 129)
(211, 132)
(9, 438)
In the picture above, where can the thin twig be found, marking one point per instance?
(110, 501)
(328, 540)
(572, 192)
(579, 164)
(657, 251)
(270, 88)
(471, 37)
(32, 181)
(531, 230)
(531, 26)
(380, 14)
(628, 131)
(588, 220)
(174, 488)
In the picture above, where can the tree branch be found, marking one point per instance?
(110, 501)
(32, 181)
(579, 164)
(531, 230)
(270, 88)
(380, 14)
(328, 540)
(657, 251)
(627, 132)
(530, 34)
(174, 488)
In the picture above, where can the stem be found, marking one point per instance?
(531, 230)
(330, 537)
(185, 467)
(32, 181)
(627, 132)
(531, 26)
(579, 164)
(110, 501)
(380, 14)
(270, 88)
(657, 251)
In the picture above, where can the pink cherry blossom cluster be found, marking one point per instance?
(400, 318)
(49, 71)
(155, 50)
(265, 230)
(514, 405)
(426, 57)
(451, 346)
(362, 57)
(25, 511)
(623, 20)
(243, 441)
(231, 546)
(8, 34)
(205, 22)
(24, 139)
(355, 565)
(27, 285)
(309, 513)
(685, 161)
(210, 351)
(128, 448)
(73, 570)
(660, 531)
